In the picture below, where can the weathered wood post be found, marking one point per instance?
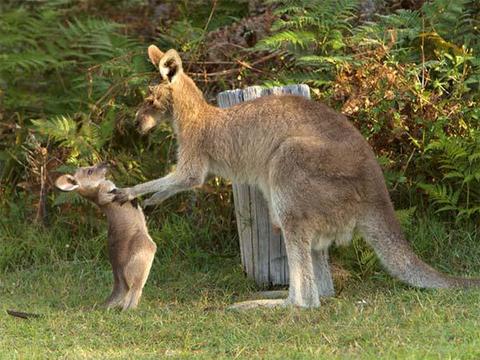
(263, 252)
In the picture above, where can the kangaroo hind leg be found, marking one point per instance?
(321, 267)
(303, 290)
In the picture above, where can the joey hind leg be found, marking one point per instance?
(136, 274)
(132, 299)
(119, 292)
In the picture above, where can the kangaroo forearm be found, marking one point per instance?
(168, 185)
(161, 196)
(165, 194)
(155, 185)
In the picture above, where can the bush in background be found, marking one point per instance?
(73, 72)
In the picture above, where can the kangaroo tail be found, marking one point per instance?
(382, 231)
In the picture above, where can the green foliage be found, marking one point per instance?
(313, 34)
(83, 139)
(84, 239)
(457, 21)
(402, 27)
(196, 18)
(458, 191)
(318, 26)
(69, 84)
(443, 34)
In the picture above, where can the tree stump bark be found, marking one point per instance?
(264, 258)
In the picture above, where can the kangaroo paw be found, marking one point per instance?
(122, 195)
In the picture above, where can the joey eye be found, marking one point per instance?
(90, 172)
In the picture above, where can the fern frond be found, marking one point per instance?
(322, 60)
(61, 128)
(69, 198)
(288, 37)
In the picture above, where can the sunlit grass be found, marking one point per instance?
(183, 311)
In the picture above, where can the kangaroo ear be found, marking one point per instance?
(66, 183)
(155, 54)
(170, 66)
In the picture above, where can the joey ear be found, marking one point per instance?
(66, 183)
(155, 54)
(170, 66)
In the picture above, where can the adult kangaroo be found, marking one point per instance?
(319, 177)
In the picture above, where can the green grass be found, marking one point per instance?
(183, 311)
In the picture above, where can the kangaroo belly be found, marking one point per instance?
(238, 173)
(340, 236)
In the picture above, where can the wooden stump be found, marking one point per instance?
(263, 252)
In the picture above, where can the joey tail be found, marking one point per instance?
(382, 231)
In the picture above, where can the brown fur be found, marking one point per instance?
(130, 248)
(319, 176)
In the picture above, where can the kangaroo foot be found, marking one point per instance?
(264, 303)
(270, 294)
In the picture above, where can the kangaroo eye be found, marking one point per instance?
(90, 172)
